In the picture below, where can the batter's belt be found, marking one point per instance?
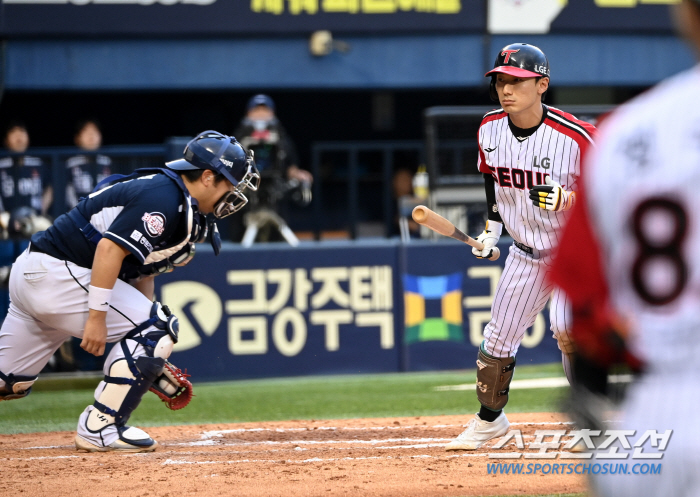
(535, 253)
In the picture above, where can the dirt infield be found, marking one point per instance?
(382, 457)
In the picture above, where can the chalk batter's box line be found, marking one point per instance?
(221, 433)
(317, 459)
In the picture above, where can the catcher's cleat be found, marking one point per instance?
(479, 432)
(130, 440)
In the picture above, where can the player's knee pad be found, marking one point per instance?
(564, 342)
(158, 342)
(123, 390)
(16, 386)
(493, 376)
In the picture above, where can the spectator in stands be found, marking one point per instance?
(277, 161)
(25, 197)
(86, 170)
(24, 180)
(404, 201)
(261, 132)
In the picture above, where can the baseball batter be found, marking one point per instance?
(628, 261)
(90, 276)
(530, 156)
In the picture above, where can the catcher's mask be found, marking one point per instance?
(223, 155)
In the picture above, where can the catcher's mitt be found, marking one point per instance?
(173, 387)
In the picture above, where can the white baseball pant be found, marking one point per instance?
(521, 294)
(48, 305)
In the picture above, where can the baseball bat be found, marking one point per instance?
(430, 219)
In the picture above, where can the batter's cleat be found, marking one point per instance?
(479, 432)
(130, 440)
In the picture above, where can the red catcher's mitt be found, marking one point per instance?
(173, 387)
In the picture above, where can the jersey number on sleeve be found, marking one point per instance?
(659, 272)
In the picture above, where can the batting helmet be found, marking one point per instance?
(224, 155)
(520, 60)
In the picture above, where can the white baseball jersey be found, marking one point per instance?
(519, 162)
(641, 231)
(647, 169)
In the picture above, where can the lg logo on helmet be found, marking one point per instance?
(541, 70)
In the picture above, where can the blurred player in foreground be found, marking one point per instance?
(628, 261)
(90, 276)
(530, 156)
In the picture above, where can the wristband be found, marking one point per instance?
(494, 227)
(99, 298)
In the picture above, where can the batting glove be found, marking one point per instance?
(551, 196)
(489, 238)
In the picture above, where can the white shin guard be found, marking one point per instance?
(104, 423)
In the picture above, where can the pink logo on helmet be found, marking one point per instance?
(154, 223)
(507, 54)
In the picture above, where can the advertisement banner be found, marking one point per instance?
(336, 309)
(278, 312)
(448, 295)
(582, 16)
(240, 17)
(274, 17)
(618, 16)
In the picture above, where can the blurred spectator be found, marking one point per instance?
(261, 132)
(86, 170)
(24, 180)
(25, 197)
(277, 161)
(404, 202)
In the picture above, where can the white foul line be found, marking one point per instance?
(555, 382)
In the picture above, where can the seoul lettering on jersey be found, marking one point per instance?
(517, 178)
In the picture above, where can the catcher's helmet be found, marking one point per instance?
(224, 155)
(520, 60)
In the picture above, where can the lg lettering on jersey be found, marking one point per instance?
(154, 223)
(545, 162)
(507, 54)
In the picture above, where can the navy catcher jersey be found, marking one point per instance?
(22, 180)
(142, 215)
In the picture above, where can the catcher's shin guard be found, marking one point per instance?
(123, 391)
(493, 376)
(16, 386)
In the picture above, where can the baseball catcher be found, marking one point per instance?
(90, 275)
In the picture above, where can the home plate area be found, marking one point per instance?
(386, 456)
